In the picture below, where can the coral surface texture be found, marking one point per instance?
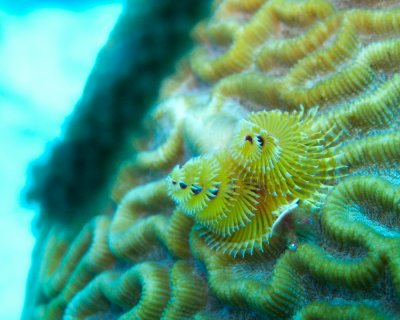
(266, 184)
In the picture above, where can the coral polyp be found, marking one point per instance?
(275, 160)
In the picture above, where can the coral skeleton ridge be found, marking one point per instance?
(268, 186)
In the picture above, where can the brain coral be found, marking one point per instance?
(276, 138)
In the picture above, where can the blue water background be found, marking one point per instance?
(47, 49)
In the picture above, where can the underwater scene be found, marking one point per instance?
(226, 159)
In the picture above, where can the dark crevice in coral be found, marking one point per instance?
(367, 4)
(379, 216)
(113, 313)
(345, 251)
(254, 270)
(380, 294)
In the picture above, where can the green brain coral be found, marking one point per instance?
(270, 188)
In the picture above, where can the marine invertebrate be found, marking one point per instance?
(286, 153)
(275, 161)
(208, 189)
(280, 121)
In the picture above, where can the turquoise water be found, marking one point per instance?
(46, 55)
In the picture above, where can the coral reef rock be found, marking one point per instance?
(266, 186)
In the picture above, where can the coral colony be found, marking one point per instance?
(268, 185)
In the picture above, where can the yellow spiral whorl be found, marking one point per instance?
(284, 152)
(274, 161)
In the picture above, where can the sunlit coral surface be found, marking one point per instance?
(268, 186)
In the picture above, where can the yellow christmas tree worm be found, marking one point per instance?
(208, 189)
(274, 161)
(285, 152)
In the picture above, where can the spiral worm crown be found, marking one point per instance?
(275, 160)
